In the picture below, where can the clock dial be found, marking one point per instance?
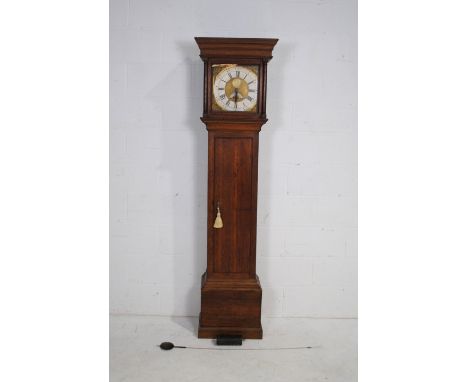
(235, 88)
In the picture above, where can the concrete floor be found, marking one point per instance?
(135, 355)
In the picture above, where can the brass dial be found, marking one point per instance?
(235, 88)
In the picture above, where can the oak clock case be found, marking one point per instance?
(235, 72)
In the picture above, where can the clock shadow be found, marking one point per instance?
(271, 177)
(181, 195)
(191, 293)
(188, 228)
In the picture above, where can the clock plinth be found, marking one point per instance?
(230, 308)
(234, 112)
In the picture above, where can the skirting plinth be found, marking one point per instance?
(230, 307)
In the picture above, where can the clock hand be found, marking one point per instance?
(236, 92)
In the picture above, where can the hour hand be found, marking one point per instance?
(237, 95)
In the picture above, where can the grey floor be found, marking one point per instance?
(135, 355)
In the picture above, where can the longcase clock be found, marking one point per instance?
(235, 78)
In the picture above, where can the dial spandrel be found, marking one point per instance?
(235, 87)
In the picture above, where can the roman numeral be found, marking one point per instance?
(227, 102)
(252, 90)
(230, 75)
(222, 96)
(250, 82)
(220, 88)
(245, 76)
(249, 98)
(237, 73)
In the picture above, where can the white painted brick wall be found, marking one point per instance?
(307, 207)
